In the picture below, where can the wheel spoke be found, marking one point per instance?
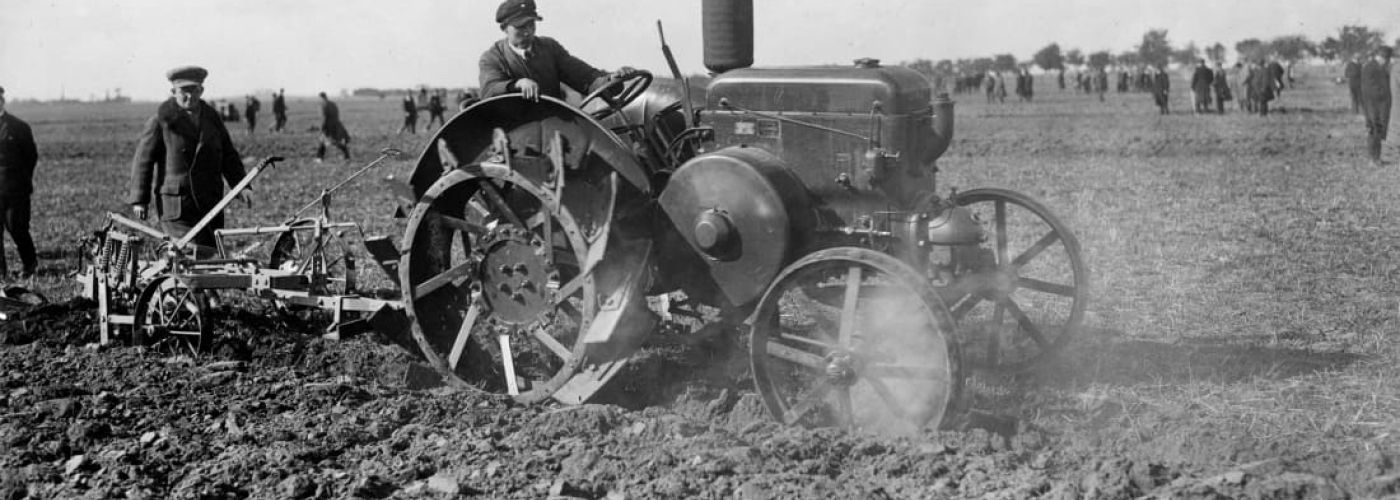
(969, 301)
(848, 306)
(994, 337)
(808, 402)
(498, 204)
(1045, 286)
(569, 289)
(459, 224)
(444, 278)
(552, 344)
(1040, 245)
(1027, 325)
(464, 332)
(891, 401)
(508, 364)
(795, 355)
(845, 415)
(825, 342)
(1002, 250)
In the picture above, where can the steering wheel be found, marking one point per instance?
(631, 88)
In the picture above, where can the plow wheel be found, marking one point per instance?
(496, 286)
(173, 318)
(851, 337)
(299, 251)
(1020, 296)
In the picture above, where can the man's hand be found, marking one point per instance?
(624, 73)
(139, 211)
(529, 87)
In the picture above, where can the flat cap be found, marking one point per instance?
(186, 75)
(516, 12)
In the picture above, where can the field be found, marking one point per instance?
(1238, 343)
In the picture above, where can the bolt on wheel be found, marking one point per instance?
(852, 337)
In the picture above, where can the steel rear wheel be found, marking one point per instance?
(851, 337)
(173, 318)
(1019, 297)
(493, 284)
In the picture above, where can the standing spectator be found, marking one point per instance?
(250, 110)
(1021, 85)
(184, 156)
(1101, 82)
(1261, 85)
(1001, 88)
(1220, 81)
(989, 85)
(435, 109)
(333, 132)
(1201, 80)
(1352, 72)
(1161, 86)
(1276, 77)
(1239, 86)
(279, 110)
(410, 114)
(1376, 100)
(18, 155)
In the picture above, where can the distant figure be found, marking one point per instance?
(1021, 85)
(279, 110)
(1001, 88)
(250, 110)
(1277, 77)
(1352, 73)
(410, 114)
(1261, 85)
(435, 109)
(1220, 82)
(1101, 82)
(1161, 85)
(1122, 81)
(333, 132)
(18, 155)
(1201, 80)
(183, 158)
(989, 85)
(1376, 100)
(1240, 87)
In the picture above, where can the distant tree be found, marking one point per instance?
(1216, 53)
(983, 64)
(1188, 55)
(1050, 58)
(1350, 41)
(1293, 48)
(1004, 62)
(1100, 59)
(1129, 59)
(1250, 49)
(943, 67)
(1155, 49)
(1074, 57)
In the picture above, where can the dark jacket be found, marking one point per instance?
(17, 156)
(1201, 79)
(550, 66)
(184, 163)
(279, 104)
(331, 127)
(1352, 71)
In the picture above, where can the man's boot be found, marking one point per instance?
(1374, 149)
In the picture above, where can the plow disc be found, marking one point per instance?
(523, 273)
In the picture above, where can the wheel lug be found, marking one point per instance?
(504, 288)
(505, 269)
(520, 268)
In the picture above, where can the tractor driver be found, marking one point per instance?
(535, 65)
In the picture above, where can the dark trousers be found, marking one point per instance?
(279, 121)
(204, 240)
(252, 122)
(321, 148)
(14, 214)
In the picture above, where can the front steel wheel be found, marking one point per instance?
(851, 337)
(173, 318)
(1020, 296)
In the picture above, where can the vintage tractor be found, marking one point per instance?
(798, 203)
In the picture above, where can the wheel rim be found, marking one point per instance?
(493, 286)
(1020, 296)
(854, 338)
(173, 317)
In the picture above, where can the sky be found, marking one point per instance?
(86, 48)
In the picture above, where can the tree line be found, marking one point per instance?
(1156, 49)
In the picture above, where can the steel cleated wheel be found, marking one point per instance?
(495, 288)
(1019, 297)
(852, 337)
(173, 318)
